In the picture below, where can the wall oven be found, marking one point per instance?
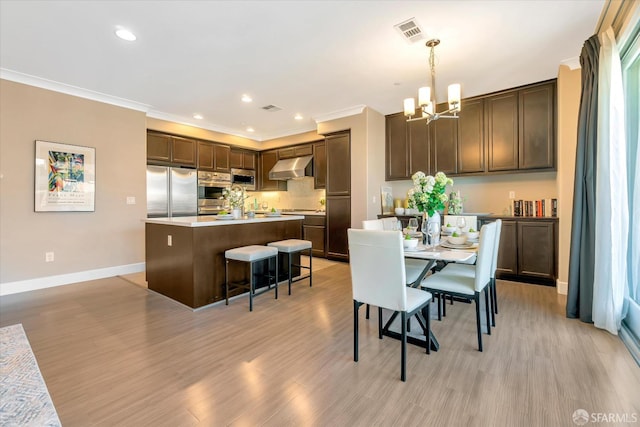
(244, 177)
(210, 186)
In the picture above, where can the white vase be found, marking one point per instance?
(434, 218)
(237, 213)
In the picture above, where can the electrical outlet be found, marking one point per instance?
(131, 200)
(169, 240)
(48, 256)
(512, 194)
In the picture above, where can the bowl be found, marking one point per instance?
(457, 240)
(410, 243)
(399, 211)
(472, 234)
(448, 230)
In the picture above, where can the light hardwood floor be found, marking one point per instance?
(115, 354)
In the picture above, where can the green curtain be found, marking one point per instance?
(583, 224)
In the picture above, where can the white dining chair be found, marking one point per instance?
(378, 278)
(470, 286)
(470, 270)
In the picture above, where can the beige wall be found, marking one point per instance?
(110, 237)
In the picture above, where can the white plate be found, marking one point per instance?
(450, 245)
(418, 248)
(224, 216)
(271, 214)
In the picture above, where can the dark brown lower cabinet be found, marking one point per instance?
(314, 230)
(528, 249)
(338, 221)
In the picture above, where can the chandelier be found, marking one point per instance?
(426, 103)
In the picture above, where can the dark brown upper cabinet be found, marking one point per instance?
(267, 160)
(470, 148)
(242, 159)
(537, 127)
(297, 151)
(444, 147)
(319, 165)
(338, 165)
(502, 131)
(170, 150)
(213, 157)
(205, 155)
(221, 158)
(396, 147)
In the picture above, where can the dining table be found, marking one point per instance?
(431, 255)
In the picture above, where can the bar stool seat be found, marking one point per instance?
(252, 254)
(291, 247)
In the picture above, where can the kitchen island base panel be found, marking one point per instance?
(192, 269)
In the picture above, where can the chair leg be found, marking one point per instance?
(495, 296)
(439, 296)
(492, 294)
(379, 322)
(478, 325)
(444, 305)
(310, 268)
(403, 361)
(488, 309)
(367, 313)
(356, 306)
(226, 281)
(428, 324)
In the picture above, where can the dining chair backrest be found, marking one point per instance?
(376, 260)
(496, 248)
(389, 223)
(485, 255)
(372, 224)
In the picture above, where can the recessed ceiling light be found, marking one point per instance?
(198, 116)
(246, 98)
(125, 34)
(298, 117)
(250, 129)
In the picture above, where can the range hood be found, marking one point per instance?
(296, 167)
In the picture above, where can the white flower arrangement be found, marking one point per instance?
(428, 192)
(235, 196)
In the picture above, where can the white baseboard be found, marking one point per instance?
(67, 279)
(562, 287)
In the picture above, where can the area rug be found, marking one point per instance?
(24, 398)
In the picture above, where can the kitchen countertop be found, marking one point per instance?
(211, 220)
(299, 212)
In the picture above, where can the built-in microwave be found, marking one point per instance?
(244, 177)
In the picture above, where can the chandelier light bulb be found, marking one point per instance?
(409, 107)
(424, 96)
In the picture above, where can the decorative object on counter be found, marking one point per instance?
(427, 103)
(455, 203)
(322, 203)
(235, 196)
(399, 211)
(386, 200)
(428, 196)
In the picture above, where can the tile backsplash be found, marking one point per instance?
(300, 194)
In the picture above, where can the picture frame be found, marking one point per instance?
(386, 200)
(65, 177)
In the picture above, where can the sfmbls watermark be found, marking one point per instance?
(581, 417)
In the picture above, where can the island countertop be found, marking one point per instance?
(211, 220)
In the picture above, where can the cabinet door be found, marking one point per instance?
(249, 160)
(338, 165)
(267, 161)
(236, 160)
(338, 210)
(183, 151)
(536, 249)
(158, 148)
(508, 250)
(537, 127)
(316, 236)
(319, 165)
(471, 137)
(502, 131)
(419, 155)
(221, 158)
(205, 156)
(396, 147)
(444, 146)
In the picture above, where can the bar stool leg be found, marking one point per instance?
(310, 267)
(251, 286)
(226, 281)
(276, 276)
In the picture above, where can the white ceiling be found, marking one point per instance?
(316, 58)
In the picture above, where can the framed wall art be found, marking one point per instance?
(65, 177)
(386, 200)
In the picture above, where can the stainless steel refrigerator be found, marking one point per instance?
(171, 192)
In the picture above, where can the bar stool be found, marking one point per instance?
(291, 247)
(251, 254)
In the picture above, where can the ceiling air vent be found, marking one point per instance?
(410, 30)
(271, 108)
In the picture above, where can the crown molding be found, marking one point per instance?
(30, 80)
(572, 63)
(350, 111)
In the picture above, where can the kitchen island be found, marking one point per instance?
(185, 255)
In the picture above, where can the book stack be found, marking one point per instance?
(539, 208)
